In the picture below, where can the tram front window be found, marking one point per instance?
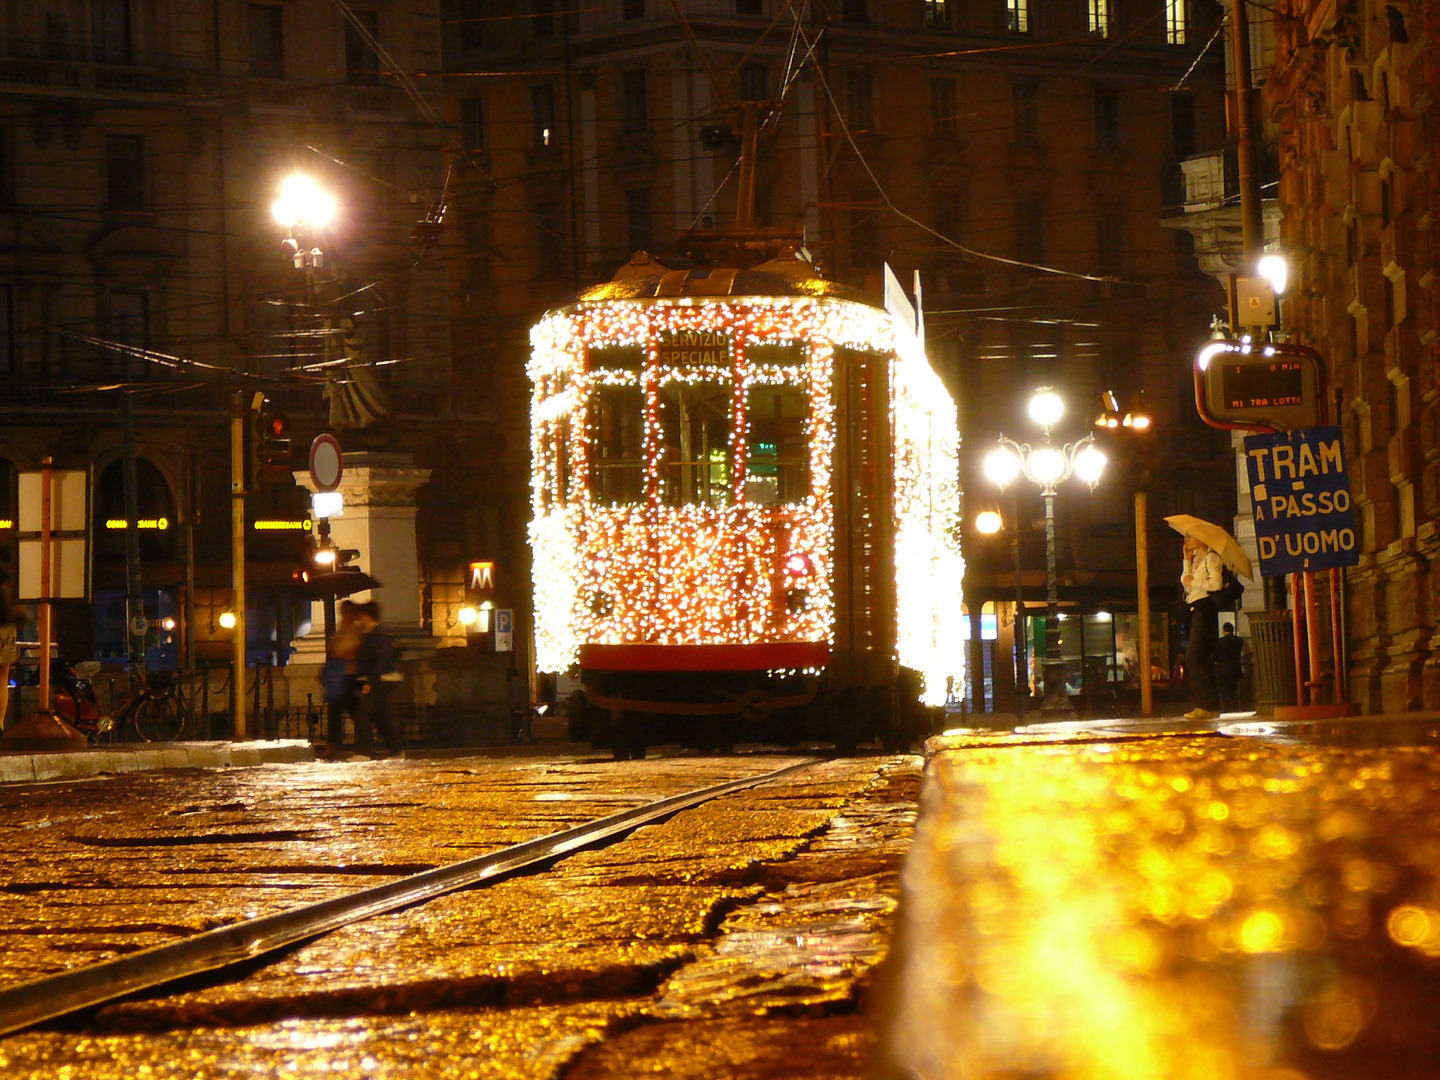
(695, 454)
(617, 464)
(777, 467)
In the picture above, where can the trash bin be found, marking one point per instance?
(1272, 651)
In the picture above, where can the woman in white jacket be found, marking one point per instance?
(1201, 577)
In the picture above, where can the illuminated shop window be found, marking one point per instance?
(617, 460)
(1017, 16)
(1100, 18)
(695, 444)
(1175, 22)
(777, 463)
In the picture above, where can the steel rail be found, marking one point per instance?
(26, 1004)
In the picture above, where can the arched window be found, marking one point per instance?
(156, 512)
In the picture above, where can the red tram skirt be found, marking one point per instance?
(774, 656)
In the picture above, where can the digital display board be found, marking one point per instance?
(1262, 386)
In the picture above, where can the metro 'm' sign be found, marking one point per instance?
(482, 576)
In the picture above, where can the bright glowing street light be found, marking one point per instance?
(467, 615)
(1002, 466)
(227, 620)
(988, 522)
(1047, 467)
(1274, 269)
(1046, 408)
(303, 202)
(1089, 464)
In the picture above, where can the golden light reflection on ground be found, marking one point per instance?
(1198, 908)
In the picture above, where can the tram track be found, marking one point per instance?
(27, 1004)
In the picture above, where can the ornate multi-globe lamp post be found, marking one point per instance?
(1047, 467)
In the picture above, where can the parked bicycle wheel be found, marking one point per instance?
(155, 718)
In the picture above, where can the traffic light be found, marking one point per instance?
(276, 447)
(268, 448)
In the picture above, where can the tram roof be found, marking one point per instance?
(645, 277)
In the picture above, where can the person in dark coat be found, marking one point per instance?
(374, 673)
(1229, 667)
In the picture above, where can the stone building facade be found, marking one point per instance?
(142, 143)
(927, 134)
(1352, 93)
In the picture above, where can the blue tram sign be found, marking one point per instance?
(1300, 495)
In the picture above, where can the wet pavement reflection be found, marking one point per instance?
(1260, 904)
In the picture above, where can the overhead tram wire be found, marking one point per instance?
(889, 205)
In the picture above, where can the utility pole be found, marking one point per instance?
(1252, 219)
(1252, 222)
(237, 554)
(135, 625)
(1142, 583)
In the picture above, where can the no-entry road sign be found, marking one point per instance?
(1300, 494)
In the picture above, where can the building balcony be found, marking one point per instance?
(1210, 210)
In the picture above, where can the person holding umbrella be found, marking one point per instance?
(1209, 549)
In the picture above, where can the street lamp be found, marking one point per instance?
(1048, 467)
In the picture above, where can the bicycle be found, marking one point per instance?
(151, 708)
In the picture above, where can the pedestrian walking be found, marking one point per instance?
(11, 619)
(374, 673)
(337, 678)
(1201, 577)
(517, 693)
(1229, 667)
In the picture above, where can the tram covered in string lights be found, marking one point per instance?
(745, 510)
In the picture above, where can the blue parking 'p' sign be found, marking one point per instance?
(1300, 495)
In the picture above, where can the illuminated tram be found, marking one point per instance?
(746, 510)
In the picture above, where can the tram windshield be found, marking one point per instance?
(777, 465)
(617, 473)
(695, 461)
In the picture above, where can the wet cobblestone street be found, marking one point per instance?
(726, 940)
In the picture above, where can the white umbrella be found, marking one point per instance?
(1216, 539)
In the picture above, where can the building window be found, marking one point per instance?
(754, 82)
(362, 65)
(7, 329)
(57, 36)
(749, 7)
(1017, 16)
(634, 101)
(639, 222)
(467, 30)
(542, 18)
(549, 246)
(1099, 17)
(1025, 102)
(937, 15)
(477, 244)
(695, 457)
(1107, 120)
(1182, 125)
(942, 108)
(110, 31)
(543, 134)
(472, 123)
(1030, 230)
(632, 9)
(124, 172)
(130, 325)
(1110, 243)
(855, 11)
(865, 236)
(860, 95)
(1175, 22)
(267, 41)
